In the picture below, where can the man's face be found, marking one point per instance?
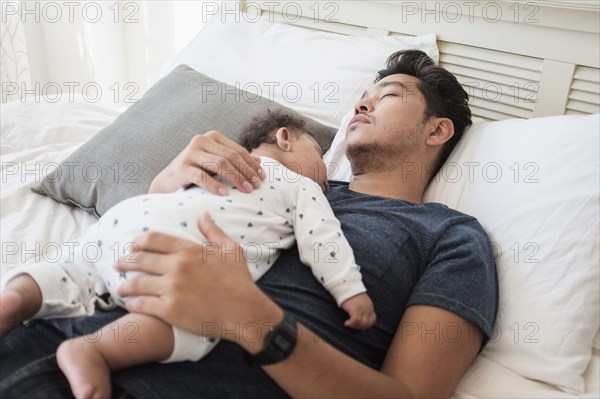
(387, 125)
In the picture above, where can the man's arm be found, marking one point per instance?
(416, 365)
(207, 290)
(432, 349)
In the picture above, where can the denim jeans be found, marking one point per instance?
(28, 368)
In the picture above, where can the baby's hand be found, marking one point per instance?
(361, 312)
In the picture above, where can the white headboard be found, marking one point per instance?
(515, 58)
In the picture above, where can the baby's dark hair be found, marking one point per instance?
(262, 128)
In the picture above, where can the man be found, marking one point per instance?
(428, 269)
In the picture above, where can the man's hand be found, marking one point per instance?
(205, 156)
(361, 311)
(205, 289)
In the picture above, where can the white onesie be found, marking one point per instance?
(287, 208)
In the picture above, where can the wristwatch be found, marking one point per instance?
(279, 343)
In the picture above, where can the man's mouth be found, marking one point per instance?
(359, 118)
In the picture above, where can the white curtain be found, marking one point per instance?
(14, 63)
(108, 51)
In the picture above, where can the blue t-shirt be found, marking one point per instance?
(409, 254)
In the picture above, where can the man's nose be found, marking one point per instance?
(363, 105)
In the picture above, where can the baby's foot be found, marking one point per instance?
(85, 368)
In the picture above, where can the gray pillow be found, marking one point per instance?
(121, 160)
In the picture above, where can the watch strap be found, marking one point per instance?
(279, 343)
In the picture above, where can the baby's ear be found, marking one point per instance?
(284, 139)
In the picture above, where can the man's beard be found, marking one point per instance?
(369, 158)
(378, 157)
(383, 157)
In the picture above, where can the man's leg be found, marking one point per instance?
(28, 366)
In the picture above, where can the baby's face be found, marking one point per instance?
(308, 160)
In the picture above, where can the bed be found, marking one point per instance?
(528, 168)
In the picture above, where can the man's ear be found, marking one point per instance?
(440, 131)
(283, 138)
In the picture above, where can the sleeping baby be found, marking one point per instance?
(288, 207)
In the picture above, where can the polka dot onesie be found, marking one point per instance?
(287, 208)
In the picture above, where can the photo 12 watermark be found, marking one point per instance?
(468, 11)
(54, 12)
(453, 332)
(464, 172)
(70, 172)
(53, 92)
(68, 253)
(517, 252)
(518, 332)
(287, 92)
(123, 250)
(488, 172)
(495, 92)
(290, 12)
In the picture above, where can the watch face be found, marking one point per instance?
(282, 343)
(279, 342)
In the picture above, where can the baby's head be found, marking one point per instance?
(281, 136)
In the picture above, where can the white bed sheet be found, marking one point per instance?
(32, 227)
(36, 136)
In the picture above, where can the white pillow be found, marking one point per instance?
(338, 166)
(319, 74)
(533, 185)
